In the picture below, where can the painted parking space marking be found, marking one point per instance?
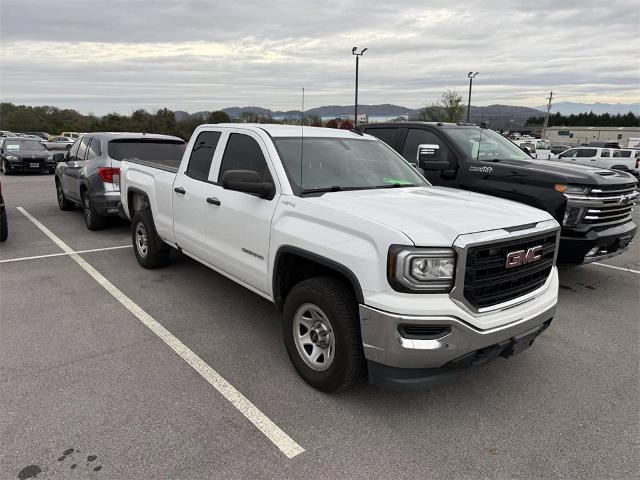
(276, 435)
(624, 269)
(61, 254)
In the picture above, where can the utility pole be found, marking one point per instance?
(546, 117)
(471, 76)
(358, 55)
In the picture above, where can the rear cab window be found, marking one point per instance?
(202, 154)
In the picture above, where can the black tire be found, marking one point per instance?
(63, 203)
(4, 227)
(156, 254)
(336, 300)
(5, 169)
(93, 219)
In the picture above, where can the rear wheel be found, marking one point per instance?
(150, 250)
(322, 334)
(63, 203)
(93, 219)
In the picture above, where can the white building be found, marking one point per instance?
(580, 135)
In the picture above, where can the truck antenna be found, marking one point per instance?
(301, 139)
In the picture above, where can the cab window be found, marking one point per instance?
(417, 137)
(244, 153)
(202, 155)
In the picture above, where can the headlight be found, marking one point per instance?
(575, 189)
(411, 269)
(12, 157)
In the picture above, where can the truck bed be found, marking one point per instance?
(166, 165)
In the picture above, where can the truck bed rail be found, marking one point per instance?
(166, 165)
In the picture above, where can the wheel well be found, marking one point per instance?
(136, 200)
(620, 167)
(292, 266)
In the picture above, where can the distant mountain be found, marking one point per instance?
(568, 108)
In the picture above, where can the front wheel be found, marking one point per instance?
(150, 251)
(5, 167)
(322, 333)
(63, 203)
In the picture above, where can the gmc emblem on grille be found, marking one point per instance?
(522, 257)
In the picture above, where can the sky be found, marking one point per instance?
(103, 56)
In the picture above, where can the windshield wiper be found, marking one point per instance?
(335, 188)
(395, 185)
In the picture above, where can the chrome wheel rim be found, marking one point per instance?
(314, 337)
(142, 244)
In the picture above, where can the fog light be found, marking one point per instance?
(592, 252)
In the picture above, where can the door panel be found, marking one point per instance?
(71, 175)
(237, 225)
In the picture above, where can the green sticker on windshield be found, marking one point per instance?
(395, 181)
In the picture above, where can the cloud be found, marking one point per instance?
(193, 55)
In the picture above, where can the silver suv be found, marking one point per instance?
(89, 174)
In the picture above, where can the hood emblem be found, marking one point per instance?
(522, 257)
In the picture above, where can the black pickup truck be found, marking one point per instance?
(593, 205)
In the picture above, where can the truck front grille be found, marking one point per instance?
(602, 207)
(489, 282)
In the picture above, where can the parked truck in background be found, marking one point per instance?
(593, 205)
(371, 267)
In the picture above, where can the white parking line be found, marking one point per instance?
(624, 269)
(279, 438)
(35, 257)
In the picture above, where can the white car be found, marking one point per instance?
(611, 158)
(364, 258)
(540, 149)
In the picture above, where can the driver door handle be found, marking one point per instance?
(180, 190)
(213, 201)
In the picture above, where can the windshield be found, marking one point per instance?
(485, 144)
(344, 164)
(143, 149)
(24, 145)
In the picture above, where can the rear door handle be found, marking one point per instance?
(213, 201)
(180, 190)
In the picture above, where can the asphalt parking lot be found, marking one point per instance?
(87, 390)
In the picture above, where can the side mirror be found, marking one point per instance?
(247, 181)
(428, 157)
(528, 151)
(59, 157)
(68, 146)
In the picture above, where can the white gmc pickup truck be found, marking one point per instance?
(372, 268)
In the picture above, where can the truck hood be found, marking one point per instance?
(554, 171)
(433, 216)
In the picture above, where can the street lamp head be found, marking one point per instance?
(353, 50)
(469, 74)
(363, 50)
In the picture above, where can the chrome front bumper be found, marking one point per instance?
(383, 343)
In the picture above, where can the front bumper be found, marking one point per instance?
(397, 362)
(25, 166)
(596, 245)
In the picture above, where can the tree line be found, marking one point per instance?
(588, 120)
(53, 120)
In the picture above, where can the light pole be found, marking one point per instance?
(358, 55)
(546, 116)
(471, 76)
